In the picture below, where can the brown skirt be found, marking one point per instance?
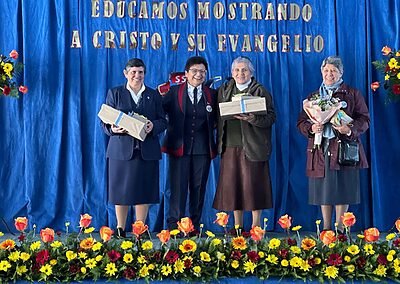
(242, 184)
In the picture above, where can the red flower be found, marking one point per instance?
(312, 262)
(396, 242)
(85, 221)
(361, 262)
(113, 255)
(371, 235)
(253, 256)
(236, 255)
(375, 86)
(6, 90)
(14, 54)
(171, 257)
(23, 89)
(396, 89)
(285, 222)
(334, 259)
(188, 263)
(129, 273)
(342, 238)
(382, 259)
(291, 242)
(283, 253)
(42, 256)
(21, 237)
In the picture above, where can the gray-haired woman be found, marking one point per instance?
(332, 185)
(245, 146)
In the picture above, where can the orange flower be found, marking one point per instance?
(397, 223)
(327, 237)
(375, 86)
(222, 219)
(14, 54)
(185, 225)
(23, 89)
(138, 228)
(21, 223)
(87, 243)
(285, 221)
(85, 221)
(239, 243)
(7, 245)
(348, 219)
(106, 233)
(371, 235)
(47, 235)
(257, 233)
(386, 50)
(307, 244)
(164, 236)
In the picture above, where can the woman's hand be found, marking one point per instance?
(149, 126)
(245, 117)
(118, 130)
(317, 128)
(343, 129)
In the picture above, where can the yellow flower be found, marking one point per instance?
(360, 236)
(56, 244)
(317, 260)
(261, 254)
(99, 258)
(369, 249)
(53, 262)
(8, 67)
(318, 222)
(126, 245)
(235, 264)
(210, 234)
(308, 243)
(14, 256)
(188, 246)
(141, 259)
(151, 266)
(147, 245)
(21, 270)
(91, 263)
(70, 255)
(128, 258)
(97, 246)
(296, 228)
(166, 270)
(111, 269)
(144, 271)
(350, 268)
(353, 249)
(174, 232)
(347, 258)
(205, 256)
(1, 234)
(284, 262)
(249, 266)
(4, 265)
(24, 256)
(197, 269)
(331, 245)
(179, 266)
(274, 243)
(389, 257)
(390, 236)
(396, 265)
(331, 272)
(83, 270)
(239, 243)
(380, 270)
(387, 77)
(35, 246)
(295, 249)
(398, 75)
(221, 256)
(46, 269)
(89, 230)
(392, 63)
(296, 261)
(87, 243)
(305, 266)
(392, 252)
(216, 242)
(82, 255)
(271, 258)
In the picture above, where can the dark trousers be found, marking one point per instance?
(187, 174)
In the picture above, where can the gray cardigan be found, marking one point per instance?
(256, 133)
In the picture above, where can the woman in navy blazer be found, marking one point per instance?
(133, 165)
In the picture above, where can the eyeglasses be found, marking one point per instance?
(198, 71)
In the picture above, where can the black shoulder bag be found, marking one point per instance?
(348, 153)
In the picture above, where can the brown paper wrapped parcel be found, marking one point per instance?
(134, 124)
(242, 104)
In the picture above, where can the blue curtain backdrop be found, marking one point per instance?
(52, 148)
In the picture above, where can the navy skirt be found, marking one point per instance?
(133, 182)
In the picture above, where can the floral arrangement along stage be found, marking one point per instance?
(78, 256)
(390, 67)
(9, 70)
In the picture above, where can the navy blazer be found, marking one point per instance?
(120, 146)
(174, 103)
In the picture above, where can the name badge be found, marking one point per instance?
(209, 108)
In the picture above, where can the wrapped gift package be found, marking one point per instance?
(243, 104)
(134, 124)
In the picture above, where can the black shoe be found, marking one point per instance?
(121, 234)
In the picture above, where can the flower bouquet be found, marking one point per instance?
(9, 71)
(321, 110)
(390, 67)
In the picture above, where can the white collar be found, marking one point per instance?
(136, 97)
(241, 87)
(190, 92)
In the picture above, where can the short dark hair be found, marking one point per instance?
(195, 60)
(135, 62)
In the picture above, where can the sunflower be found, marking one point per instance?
(188, 246)
(239, 243)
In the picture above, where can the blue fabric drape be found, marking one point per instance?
(52, 148)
